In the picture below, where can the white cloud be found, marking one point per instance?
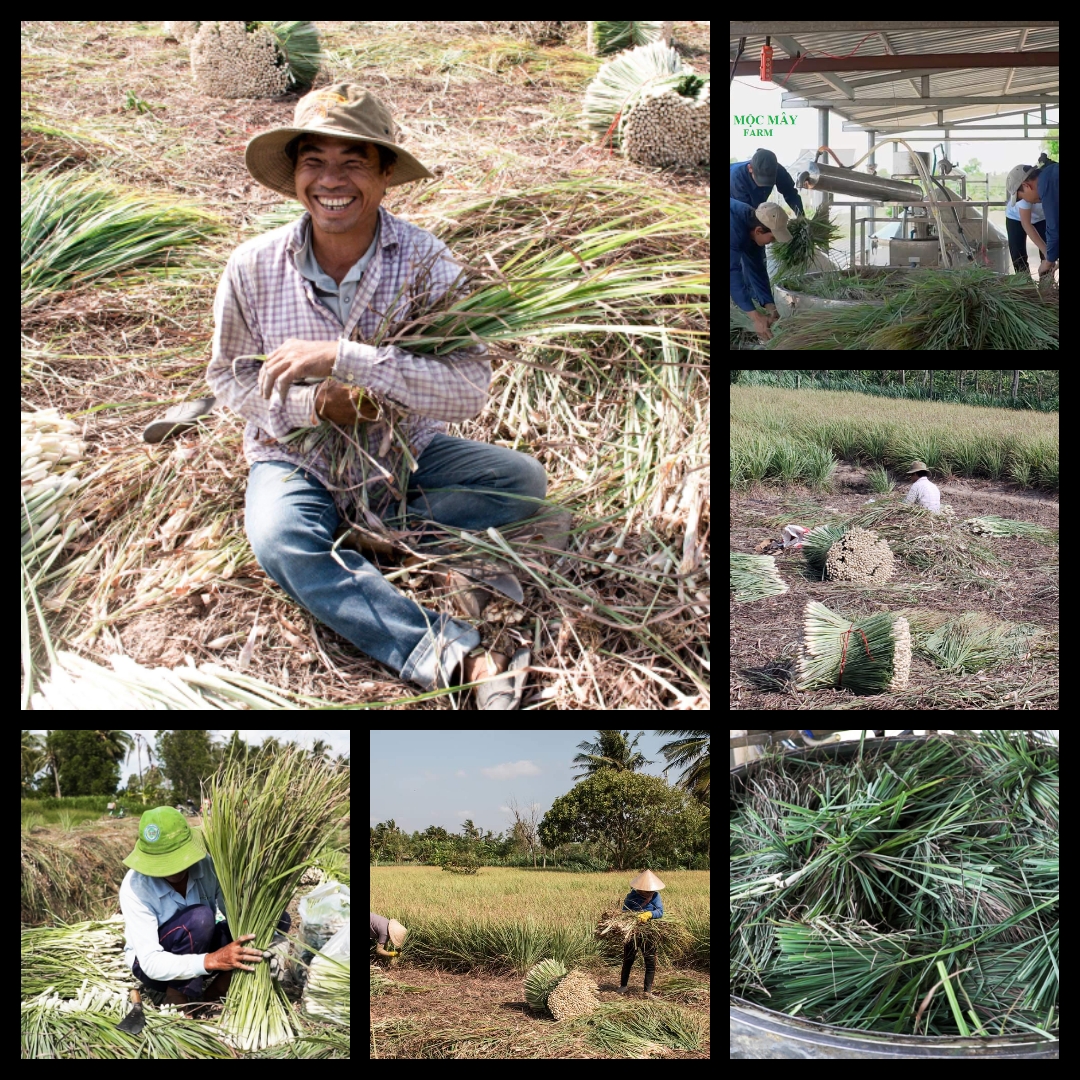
(511, 769)
(461, 772)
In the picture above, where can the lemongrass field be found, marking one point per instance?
(796, 436)
(505, 920)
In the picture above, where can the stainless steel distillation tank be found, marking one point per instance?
(961, 226)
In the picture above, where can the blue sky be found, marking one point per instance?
(422, 778)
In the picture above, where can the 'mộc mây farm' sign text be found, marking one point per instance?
(762, 124)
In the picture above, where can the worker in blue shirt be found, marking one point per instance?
(750, 230)
(752, 181)
(1041, 186)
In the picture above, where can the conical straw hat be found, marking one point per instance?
(647, 881)
(397, 933)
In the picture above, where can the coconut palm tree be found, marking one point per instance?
(692, 751)
(612, 750)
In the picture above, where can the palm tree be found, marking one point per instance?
(613, 750)
(691, 750)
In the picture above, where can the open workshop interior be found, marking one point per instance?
(904, 141)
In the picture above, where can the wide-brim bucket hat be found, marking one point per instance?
(396, 932)
(345, 111)
(167, 844)
(647, 881)
(918, 466)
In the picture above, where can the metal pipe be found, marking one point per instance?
(862, 185)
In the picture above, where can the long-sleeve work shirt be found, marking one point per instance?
(746, 260)
(744, 187)
(147, 902)
(265, 298)
(1048, 195)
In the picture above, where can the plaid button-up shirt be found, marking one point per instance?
(263, 299)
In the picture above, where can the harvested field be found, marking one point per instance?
(983, 609)
(457, 992)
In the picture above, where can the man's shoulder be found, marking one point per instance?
(268, 246)
(408, 235)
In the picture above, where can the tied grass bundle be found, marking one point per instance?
(548, 986)
(864, 655)
(753, 577)
(860, 555)
(809, 237)
(268, 822)
(992, 525)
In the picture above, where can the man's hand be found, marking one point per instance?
(761, 324)
(774, 315)
(294, 359)
(233, 956)
(337, 402)
(1046, 267)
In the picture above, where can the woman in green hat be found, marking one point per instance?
(170, 897)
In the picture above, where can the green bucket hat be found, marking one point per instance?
(167, 844)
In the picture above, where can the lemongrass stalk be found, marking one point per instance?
(267, 823)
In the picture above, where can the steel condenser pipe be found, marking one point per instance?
(862, 185)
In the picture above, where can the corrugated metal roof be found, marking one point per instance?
(905, 86)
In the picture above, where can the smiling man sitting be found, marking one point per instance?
(310, 296)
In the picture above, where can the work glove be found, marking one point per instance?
(645, 916)
(276, 956)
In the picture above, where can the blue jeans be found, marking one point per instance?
(291, 518)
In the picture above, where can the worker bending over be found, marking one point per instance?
(750, 230)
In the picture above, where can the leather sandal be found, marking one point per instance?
(505, 690)
(179, 418)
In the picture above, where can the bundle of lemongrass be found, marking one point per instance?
(753, 577)
(620, 926)
(810, 237)
(866, 655)
(992, 525)
(608, 275)
(857, 878)
(327, 992)
(269, 820)
(65, 959)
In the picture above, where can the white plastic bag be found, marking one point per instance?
(323, 912)
(321, 996)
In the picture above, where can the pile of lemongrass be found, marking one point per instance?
(866, 655)
(268, 821)
(992, 525)
(78, 227)
(327, 992)
(859, 881)
(78, 684)
(753, 577)
(941, 311)
(85, 1026)
(65, 959)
